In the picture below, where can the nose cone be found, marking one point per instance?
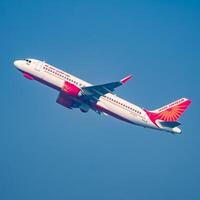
(17, 63)
(20, 65)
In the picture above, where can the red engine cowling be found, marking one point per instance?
(71, 89)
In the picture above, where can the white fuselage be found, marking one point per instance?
(109, 103)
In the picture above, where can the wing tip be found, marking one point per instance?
(126, 79)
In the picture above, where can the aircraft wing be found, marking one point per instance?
(100, 90)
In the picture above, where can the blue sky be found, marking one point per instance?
(49, 152)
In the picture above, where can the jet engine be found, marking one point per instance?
(66, 102)
(71, 89)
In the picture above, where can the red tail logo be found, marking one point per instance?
(170, 112)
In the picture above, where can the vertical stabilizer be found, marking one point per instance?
(170, 112)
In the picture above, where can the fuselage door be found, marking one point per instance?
(39, 65)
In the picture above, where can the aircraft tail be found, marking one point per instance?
(172, 111)
(166, 117)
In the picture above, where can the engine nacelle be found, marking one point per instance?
(66, 102)
(71, 89)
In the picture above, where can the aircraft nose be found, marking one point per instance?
(17, 63)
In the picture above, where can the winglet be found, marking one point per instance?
(124, 80)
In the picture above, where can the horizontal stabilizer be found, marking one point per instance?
(170, 124)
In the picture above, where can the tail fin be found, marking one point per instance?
(172, 111)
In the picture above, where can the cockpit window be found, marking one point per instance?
(28, 61)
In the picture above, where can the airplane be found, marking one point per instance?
(76, 93)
